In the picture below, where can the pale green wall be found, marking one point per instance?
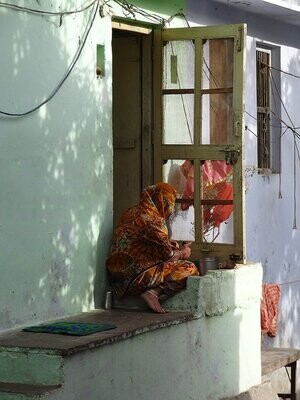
(56, 166)
(164, 9)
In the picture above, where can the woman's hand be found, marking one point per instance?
(174, 244)
(181, 254)
(186, 250)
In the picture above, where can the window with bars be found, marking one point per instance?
(263, 108)
(268, 109)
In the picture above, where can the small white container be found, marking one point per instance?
(108, 301)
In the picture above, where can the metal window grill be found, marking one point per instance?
(263, 109)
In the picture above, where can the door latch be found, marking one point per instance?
(231, 156)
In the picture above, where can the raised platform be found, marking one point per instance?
(129, 323)
(32, 364)
(193, 347)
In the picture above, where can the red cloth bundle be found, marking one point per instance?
(269, 308)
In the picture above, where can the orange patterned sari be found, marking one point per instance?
(141, 250)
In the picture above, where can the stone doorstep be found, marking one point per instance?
(129, 323)
(29, 390)
(133, 322)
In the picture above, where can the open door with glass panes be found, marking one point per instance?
(198, 135)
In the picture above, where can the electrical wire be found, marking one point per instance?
(281, 101)
(127, 8)
(295, 187)
(67, 73)
(41, 12)
(130, 9)
(280, 70)
(248, 129)
(296, 150)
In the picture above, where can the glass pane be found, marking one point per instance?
(180, 174)
(217, 123)
(217, 89)
(178, 125)
(217, 201)
(178, 92)
(217, 72)
(179, 64)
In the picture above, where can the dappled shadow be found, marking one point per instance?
(286, 270)
(57, 165)
(270, 236)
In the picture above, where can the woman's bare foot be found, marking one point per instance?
(151, 298)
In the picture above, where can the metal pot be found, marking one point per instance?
(208, 263)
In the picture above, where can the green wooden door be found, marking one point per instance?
(198, 134)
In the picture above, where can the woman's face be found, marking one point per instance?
(169, 208)
(164, 197)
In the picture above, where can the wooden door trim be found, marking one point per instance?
(147, 99)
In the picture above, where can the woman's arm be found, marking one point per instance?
(183, 253)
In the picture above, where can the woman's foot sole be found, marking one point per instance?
(151, 299)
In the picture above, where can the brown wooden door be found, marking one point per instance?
(131, 117)
(126, 121)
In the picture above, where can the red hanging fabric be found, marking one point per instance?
(269, 308)
(215, 174)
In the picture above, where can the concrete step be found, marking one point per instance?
(21, 391)
(148, 353)
(35, 365)
(30, 366)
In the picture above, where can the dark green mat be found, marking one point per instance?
(70, 328)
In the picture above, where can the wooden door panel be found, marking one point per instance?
(126, 121)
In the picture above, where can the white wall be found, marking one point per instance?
(56, 165)
(271, 238)
(56, 178)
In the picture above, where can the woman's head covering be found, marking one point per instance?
(162, 196)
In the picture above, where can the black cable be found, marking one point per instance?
(69, 70)
(130, 9)
(280, 70)
(41, 12)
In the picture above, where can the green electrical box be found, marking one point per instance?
(100, 61)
